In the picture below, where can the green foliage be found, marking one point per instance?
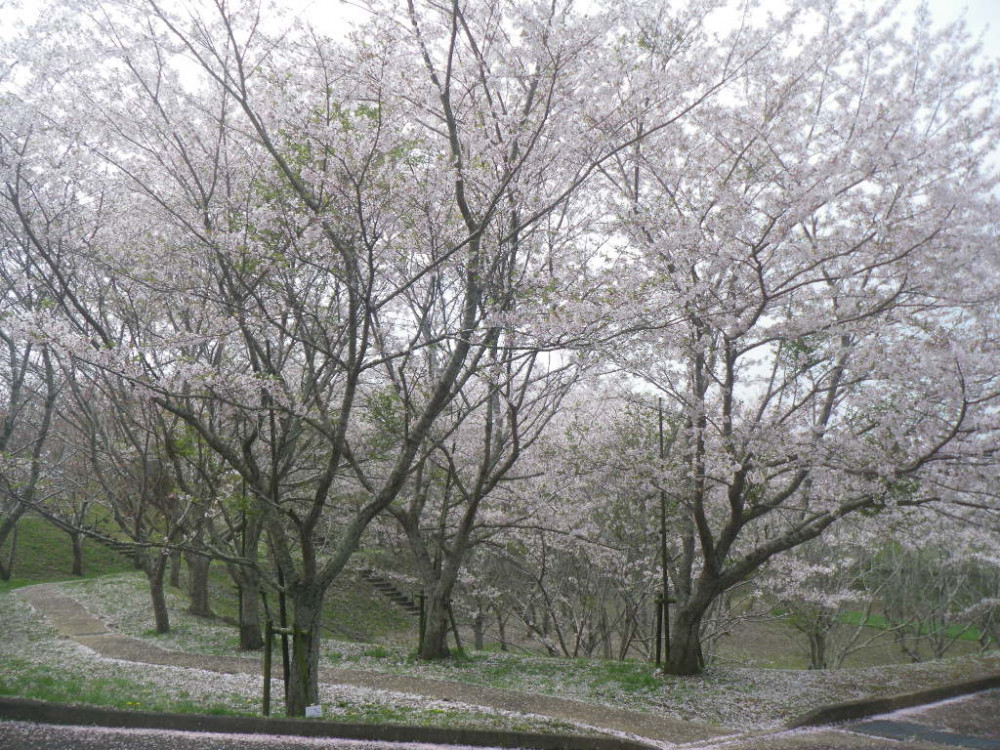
(630, 676)
(383, 411)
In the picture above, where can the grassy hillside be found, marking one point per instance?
(44, 553)
(355, 612)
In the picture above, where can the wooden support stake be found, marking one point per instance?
(658, 599)
(268, 638)
(422, 628)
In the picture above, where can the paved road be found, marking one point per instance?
(22, 736)
(971, 722)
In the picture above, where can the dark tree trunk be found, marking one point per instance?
(501, 628)
(478, 626)
(175, 569)
(251, 637)
(604, 634)
(817, 649)
(303, 672)
(8, 529)
(435, 643)
(77, 553)
(198, 569)
(155, 572)
(247, 580)
(685, 656)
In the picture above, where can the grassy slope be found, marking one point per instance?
(44, 553)
(727, 694)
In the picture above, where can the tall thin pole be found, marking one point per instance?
(268, 637)
(665, 594)
(283, 621)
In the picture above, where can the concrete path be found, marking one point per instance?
(70, 618)
(971, 722)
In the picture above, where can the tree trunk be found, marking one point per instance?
(501, 628)
(604, 634)
(247, 581)
(303, 670)
(77, 553)
(198, 568)
(9, 528)
(155, 572)
(685, 656)
(251, 637)
(817, 649)
(175, 569)
(478, 626)
(435, 644)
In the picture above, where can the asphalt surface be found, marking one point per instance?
(971, 722)
(23, 736)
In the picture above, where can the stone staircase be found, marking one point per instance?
(387, 589)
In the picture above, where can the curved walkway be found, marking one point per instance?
(71, 619)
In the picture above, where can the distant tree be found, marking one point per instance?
(29, 390)
(822, 584)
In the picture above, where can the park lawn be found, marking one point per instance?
(881, 622)
(35, 662)
(44, 553)
(728, 695)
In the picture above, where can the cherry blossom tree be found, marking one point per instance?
(30, 390)
(572, 555)
(29, 385)
(295, 222)
(298, 271)
(458, 494)
(808, 264)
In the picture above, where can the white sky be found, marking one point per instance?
(982, 16)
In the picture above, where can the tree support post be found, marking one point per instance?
(422, 627)
(658, 599)
(267, 667)
(270, 630)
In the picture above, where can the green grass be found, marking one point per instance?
(36, 663)
(44, 553)
(352, 609)
(40, 682)
(881, 622)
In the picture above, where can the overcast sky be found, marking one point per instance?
(983, 16)
(980, 14)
